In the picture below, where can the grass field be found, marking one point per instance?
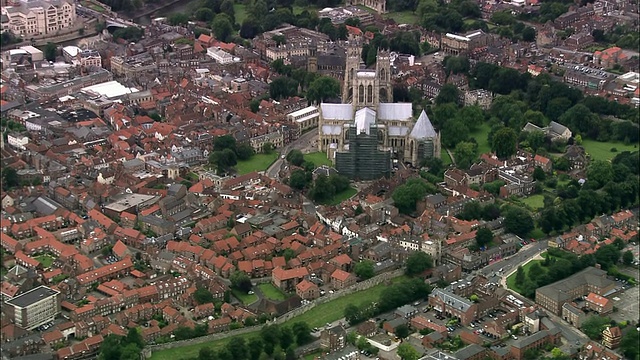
(45, 260)
(444, 156)
(482, 138)
(602, 150)
(404, 17)
(271, 292)
(537, 233)
(244, 298)
(342, 196)
(258, 162)
(535, 202)
(511, 280)
(318, 158)
(240, 12)
(316, 317)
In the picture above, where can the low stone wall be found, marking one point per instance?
(148, 350)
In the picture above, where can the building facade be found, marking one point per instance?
(34, 308)
(368, 123)
(41, 17)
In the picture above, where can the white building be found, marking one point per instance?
(34, 308)
(305, 118)
(219, 55)
(39, 17)
(17, 141)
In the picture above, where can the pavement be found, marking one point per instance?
(510, 264)
(303, 142)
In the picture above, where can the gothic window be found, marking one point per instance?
(361, 93)
(370, 94)
(380, 137)
(383, 74)
(351, 72)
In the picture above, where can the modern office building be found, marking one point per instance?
(34, 308)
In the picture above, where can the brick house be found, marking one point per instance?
(341, 279)
(307, 290)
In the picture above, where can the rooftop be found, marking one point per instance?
(32, 296)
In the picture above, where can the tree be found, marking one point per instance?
(407, 352)
(364, 269)
(267, 148)
(224, 159)
(50, 51)
(303, 333)
(529, 34)
(417, 263)
(202, 296)
(206, 353)
(504, 142)
(464, 154)
(627, 257)
(226, 7)
(629, 344)
(286, 337)
(449, 93)
(204, 14)
(538, 174)
(518, 221)
(255, 346)
(472, 116)
(178, 18)
(240, 280)
(224, 142)
(352, 314)
(454, 131)
(323, 88)
(483, 237)
(249, 29)
(405, 196)
(593, 326)
(134, 337)
(9, 178)
(520, 276)
(402, 331)
(283, 87)
(298, 179)
(295, 157)
(599, 173)
(222, 27)
(244, 151)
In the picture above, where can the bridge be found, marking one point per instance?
(112, 19)
(114, 22)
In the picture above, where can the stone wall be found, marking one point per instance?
(148, 350)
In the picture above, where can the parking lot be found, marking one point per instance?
(627, 305)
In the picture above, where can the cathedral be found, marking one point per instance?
(368, 130)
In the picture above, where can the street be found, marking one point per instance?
(511, 264)
(303, 142)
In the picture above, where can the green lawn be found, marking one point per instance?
(318, 158)
(404, 17)
(271, 292)
(244, 298)
(258, 162)
(45, 260)
(316, 317)
(342, 196)
(535, 202)
(482, 138)
(240, 12)
(444, 156)
(602, 150)
(537, 234)
(313, 355)
(511, 280)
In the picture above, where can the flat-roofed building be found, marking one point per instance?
(34, 308)
(306, 118)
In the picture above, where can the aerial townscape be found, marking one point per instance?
(320, 180)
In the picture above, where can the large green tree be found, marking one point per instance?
(407, 352)
(407, 195)
(417, 263)
(504, 142)
(483, 236)
(364, 269)
(518, 221)
(222, 26)
(323, 88)
(464, 154)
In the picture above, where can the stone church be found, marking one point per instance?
(368, 117)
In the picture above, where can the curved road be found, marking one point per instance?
(304, 141)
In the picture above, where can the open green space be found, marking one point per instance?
(404, 17)
(342, 196)
(271, 292)
(240, 12)
(244, 298)
(318, 159)
(602, 150)
(535, 202)
(191, 351)
(258, 162)
(45, 260)
(444, 156)
(511, 280)
(537, 233)
(482, 138)
(313, 355)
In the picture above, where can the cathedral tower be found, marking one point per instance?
(354, 57)
(383, 72)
